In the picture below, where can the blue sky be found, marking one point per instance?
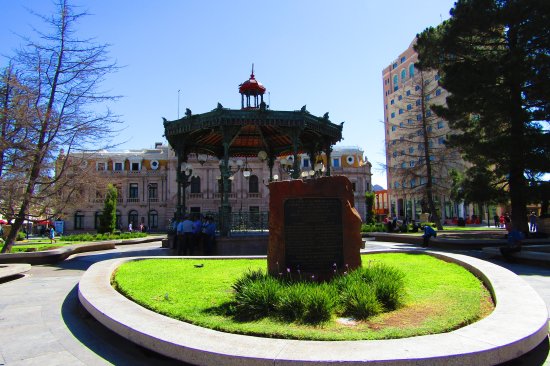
(328, 55)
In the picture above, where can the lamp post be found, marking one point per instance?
(149, 188)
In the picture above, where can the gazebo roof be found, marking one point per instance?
(251, 131)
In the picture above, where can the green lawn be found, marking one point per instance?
(439, 297)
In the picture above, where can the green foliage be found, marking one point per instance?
(107, 222)
(369, 207)
(101, 237)
(369, 228)
(362, 293)
(21, 236)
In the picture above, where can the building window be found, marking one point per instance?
(395, 66)
(441, 140)
(305, 163)
(413, 183)
(153, 219)
(101, 166)
(418, 102)
(411, 163)
(336, 163)
(401, 124)
(403, 165)
(403, 59)
(152, 191)
(353, 186)
(392, 115)
(229, 186)
(134, 167)
(119, 167)
(411, 70)
(418, 117)
(253, 186)
(403, 74)
(133, 192)
(409, 121)
(133, 219)
(417, 88)
(409, 107)
(437, 92)
(429, 128)
(408, 92)
(393, 128)
(396, 185)
(392, 102)
(436, 77)
(428, 113)
(401, 111)
(395, 81)
(97, 220)
(78, 220)
(395, 154)
(400, 97)
(440, 124)
(195, 185)
(411, 150)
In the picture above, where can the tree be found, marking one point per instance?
(108, 217)
(420, 158)
(52, 110)
(494, 60)
(369, 207)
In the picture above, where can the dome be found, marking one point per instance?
(252, 86)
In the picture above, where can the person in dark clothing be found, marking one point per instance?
(428, 233)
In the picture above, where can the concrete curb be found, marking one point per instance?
(10, 270)
(441, 242)
(60, 254)
(505, 334)
(55, 255)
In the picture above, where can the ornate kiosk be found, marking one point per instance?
(252, 131)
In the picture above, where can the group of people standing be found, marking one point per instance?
(192, 232)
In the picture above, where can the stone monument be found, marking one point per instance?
(314, 230)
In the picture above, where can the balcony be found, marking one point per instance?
(132, 200)
(193, 196)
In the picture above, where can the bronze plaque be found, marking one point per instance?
(313, 234)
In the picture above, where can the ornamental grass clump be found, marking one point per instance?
(360, 294)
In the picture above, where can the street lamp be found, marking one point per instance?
(149, 189)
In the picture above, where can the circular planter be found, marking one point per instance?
(507, 333)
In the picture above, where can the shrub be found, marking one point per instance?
(360, 300)
(320, 304)
(368, 228)
(256, 297)
(21, 236)
(362, 293)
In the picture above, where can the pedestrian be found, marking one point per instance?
(496, 219)
(52, 235)
(185, 230)
(532, 222)
(501, 221)
(507, 223)
(130, 227)
(428, 233)
(209, 232)
(197, 231)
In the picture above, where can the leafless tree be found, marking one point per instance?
(51, 103)
(420, 161)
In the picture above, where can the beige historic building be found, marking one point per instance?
(147, 188)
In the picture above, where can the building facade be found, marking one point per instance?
(147, 186)
(415, 140)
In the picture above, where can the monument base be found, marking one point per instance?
(314, 229)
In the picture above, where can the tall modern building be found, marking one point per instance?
(415, 140)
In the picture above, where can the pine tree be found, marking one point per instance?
(108, 217)
(494, 60)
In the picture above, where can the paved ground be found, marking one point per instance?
(42, 322)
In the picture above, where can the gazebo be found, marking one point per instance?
(252, 131)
